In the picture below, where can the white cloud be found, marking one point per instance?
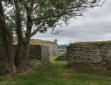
(94, 26)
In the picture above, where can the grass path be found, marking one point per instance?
(57, 73)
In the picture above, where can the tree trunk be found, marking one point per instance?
(27, 36)
(5, 48)
(19, 53)
(26, 51)
(7, 37)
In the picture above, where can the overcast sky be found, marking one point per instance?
(94, 26)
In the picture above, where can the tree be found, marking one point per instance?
(19, 55)
(7, 38)
(31, 16)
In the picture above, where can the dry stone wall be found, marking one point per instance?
(89, 54)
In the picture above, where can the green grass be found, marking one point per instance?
(37, 41)
(58, 63)
(1, 65)
(98, 43)
(57, 73)
(5, 79)
(41, 41)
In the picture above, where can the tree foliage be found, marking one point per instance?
(47, 14)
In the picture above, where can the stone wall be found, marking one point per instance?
(92, 54)
(35, 51)
(53, 49)
(40, 51)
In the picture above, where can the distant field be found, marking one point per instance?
(57, 73)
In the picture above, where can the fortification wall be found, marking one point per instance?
(89, 54)
(40, 51)
(36, 51)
